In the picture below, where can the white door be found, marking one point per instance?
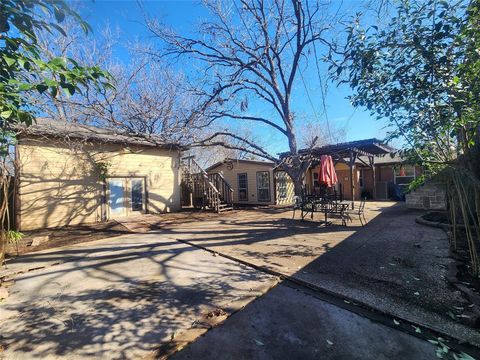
(137, 194)
(116, 197)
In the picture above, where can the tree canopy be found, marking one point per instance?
(408, 72)
(420, 72)
(23, 68)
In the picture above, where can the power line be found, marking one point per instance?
(322, 89)
(301, 74)
(298, 66)
(243, 21)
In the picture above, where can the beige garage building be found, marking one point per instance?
(69, 174)
(255, 182)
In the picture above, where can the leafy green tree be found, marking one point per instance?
(407, 73)
(24, 70)
(22, 66)
(421, 72)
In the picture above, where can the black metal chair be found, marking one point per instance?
(359, 211)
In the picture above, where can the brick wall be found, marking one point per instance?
(429, 196)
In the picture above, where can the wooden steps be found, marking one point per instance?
(224, 207)
(202, 190)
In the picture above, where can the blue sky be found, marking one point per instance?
(182, 15)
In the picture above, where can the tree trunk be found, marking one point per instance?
(297, 186)
(296, 173)
(3, 247)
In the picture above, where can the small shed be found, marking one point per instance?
(69, 174)
(252, 180)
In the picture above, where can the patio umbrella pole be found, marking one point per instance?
(351, 164)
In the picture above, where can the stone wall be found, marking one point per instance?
(429, 196)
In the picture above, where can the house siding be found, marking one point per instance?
(230, 173)
(343, 175)
(290, 189)
(58, 182)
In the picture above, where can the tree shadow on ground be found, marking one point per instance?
(120, 313)
(373, 263)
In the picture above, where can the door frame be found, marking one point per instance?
(127, 191)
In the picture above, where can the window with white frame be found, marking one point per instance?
(263, 186)
(242, 187)
(315, 181)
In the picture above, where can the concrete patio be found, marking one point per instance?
(121, 299)
(393, 264)
(145, 295)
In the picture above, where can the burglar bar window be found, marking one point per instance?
(263, 185)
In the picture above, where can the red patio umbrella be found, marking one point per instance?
(327, 174)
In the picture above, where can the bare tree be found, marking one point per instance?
(254, 51)
(147, 99)
(232, 149)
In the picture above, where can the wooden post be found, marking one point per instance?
(351, 164)
(371, 160)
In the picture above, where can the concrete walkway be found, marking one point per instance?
(121, 299)
(289, 324)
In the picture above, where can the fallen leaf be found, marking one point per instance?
(452, 315)
(329, 342)
(416, 293)
(462, 356)
(215, 313)
(259, 343)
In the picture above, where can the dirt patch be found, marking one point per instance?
(67, 235)
(70, 235)
(459, 272)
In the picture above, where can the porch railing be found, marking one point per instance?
(203, 190)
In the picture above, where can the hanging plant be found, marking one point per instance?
(102, 169)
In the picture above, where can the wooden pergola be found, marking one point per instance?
(349, 153)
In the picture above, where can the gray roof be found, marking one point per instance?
(50, 128)
(391, 158)
(226, 160)
(385, 159)
(371, 146)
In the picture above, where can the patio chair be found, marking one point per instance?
(305, 204)
(330, 207)
(359, 211)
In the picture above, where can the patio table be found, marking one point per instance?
(326, 207)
